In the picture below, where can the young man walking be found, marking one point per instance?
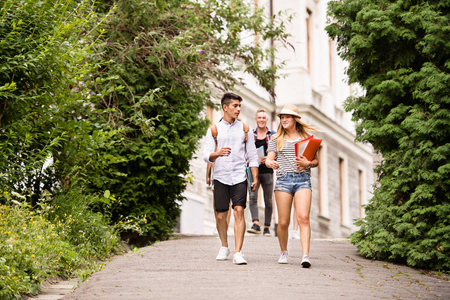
(262, 135)
(230, 153)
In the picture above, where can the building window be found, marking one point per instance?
(343, 191)
(341, 163)
(308, 36)
(210, 113)
(256, 33)
(362, 192)
(331, 52)
(319, 154)
(323, 181)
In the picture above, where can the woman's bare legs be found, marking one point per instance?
(284, 204)
(302, 199)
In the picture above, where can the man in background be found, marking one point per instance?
(262, 135)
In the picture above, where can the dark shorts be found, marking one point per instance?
(223, 193)
(293, 182)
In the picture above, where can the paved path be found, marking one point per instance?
(186, 268)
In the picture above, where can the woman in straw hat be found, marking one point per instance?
(291, 185)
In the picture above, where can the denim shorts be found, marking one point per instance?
(293, 182)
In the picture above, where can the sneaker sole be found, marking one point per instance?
(253, 231)
(283, 262)
(241, 263)
(221, 259)
(267, 234)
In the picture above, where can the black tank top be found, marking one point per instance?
(262, 167)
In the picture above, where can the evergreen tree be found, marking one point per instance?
(399, 52)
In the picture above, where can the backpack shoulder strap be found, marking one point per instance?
(214, 133)
(246, 128)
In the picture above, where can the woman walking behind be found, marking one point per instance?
(291, 185)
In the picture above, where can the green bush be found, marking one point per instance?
(164, 56)
(115, 98)
(40, 244)
(399, 52)
(86, 230)
(43, 100)
(31, 251)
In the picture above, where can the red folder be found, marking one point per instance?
(307, 148)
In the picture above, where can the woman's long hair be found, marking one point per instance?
(301, 128)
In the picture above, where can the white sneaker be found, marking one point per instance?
(295, 234)
(223, 253)
(305, 262)
(283, 258)
(238, 259)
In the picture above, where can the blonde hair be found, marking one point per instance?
(260, 110)
(301, 128)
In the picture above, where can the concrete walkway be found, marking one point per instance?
(185, 268)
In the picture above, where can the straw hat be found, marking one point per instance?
(289, 109)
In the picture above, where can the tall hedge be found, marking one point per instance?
(399, 52)
(43, 103)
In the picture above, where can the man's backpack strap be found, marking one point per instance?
(246, 138)
(214, 134)
(246, 128)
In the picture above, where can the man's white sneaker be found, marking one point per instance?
(305, 262)
(283, 258)
(223, 253)
(238, 259)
